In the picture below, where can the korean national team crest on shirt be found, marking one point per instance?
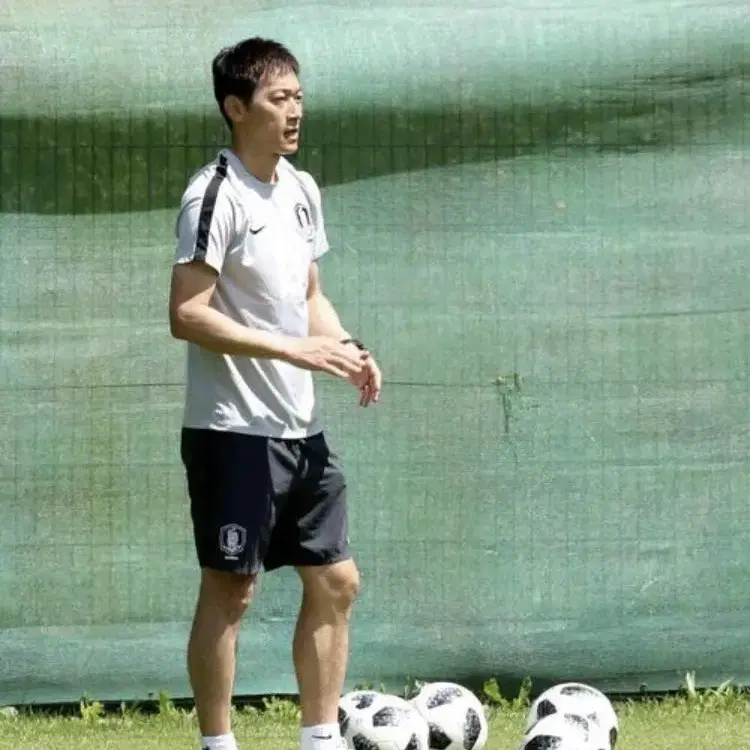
(305, 224)
(232, 539)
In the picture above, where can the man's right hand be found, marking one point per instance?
(326, 354)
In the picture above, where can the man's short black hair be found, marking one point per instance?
(237, 70)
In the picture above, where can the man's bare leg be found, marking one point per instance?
(321, 648)
(212, 648)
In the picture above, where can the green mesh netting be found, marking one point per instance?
(540, 224)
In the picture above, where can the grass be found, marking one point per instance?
(693, 720)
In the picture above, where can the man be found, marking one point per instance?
(265, 488)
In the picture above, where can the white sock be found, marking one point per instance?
(219, 742)
(320, 737)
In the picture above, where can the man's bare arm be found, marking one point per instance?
(191, 318)
(324, 320)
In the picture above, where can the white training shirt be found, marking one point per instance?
(261, 239)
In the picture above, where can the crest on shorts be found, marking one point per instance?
(305, 224)
(232, 539)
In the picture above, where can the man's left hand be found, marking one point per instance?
(369, 382)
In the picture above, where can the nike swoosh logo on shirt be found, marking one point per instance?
(259, 229)
(322, 737)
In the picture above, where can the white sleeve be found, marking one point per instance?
(313, 192)
(205, 226)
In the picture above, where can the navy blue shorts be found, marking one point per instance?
(260, 502)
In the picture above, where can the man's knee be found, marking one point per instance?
(344, 583)
(226, 594)
(334, 585)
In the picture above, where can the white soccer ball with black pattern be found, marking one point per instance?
(371, 720)
(454, 715)
(564, 732)
(580, 700)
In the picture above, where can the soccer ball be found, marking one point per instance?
(580, 700)
(370, 720)
(454, 715)
(564, 732)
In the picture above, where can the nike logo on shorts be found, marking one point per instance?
(259, 229)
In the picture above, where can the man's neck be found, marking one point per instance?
(262, 166)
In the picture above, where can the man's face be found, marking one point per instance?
(271, 120)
